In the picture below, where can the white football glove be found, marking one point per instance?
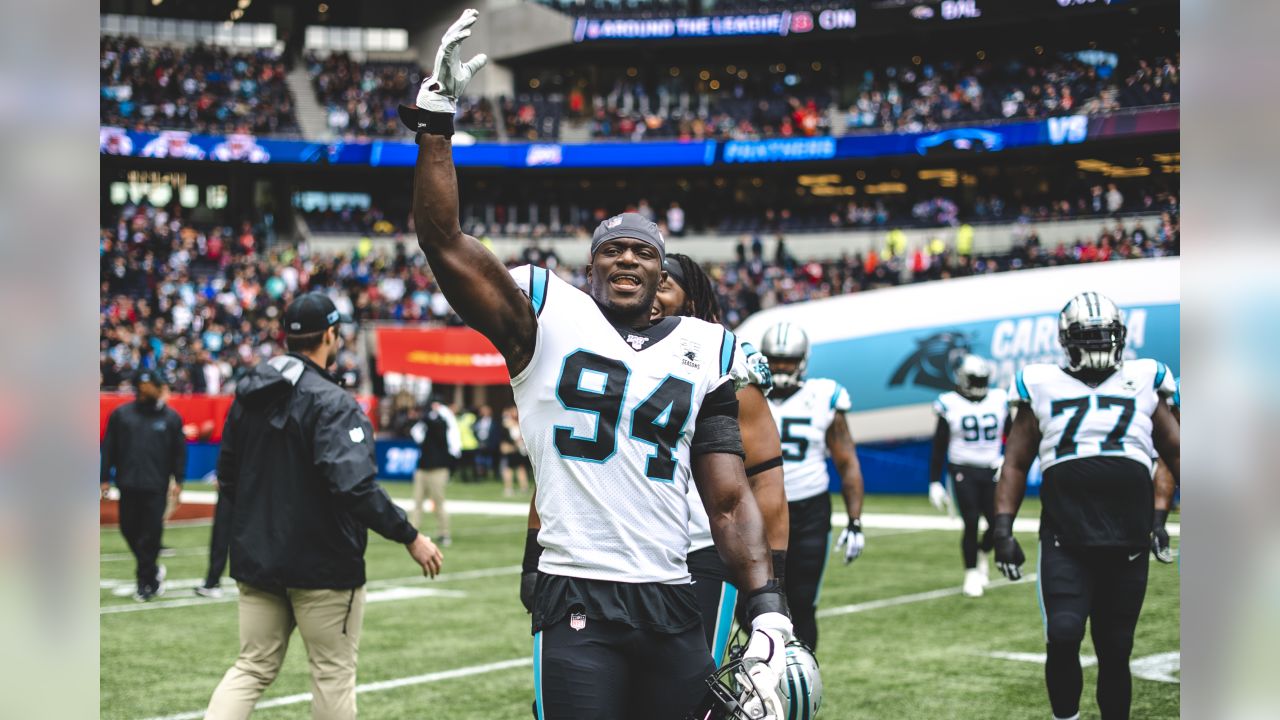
(852, 541)
(440, 92)
(765, 662)
(939, 496)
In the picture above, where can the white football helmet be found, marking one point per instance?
(783, 342)
(1092, 332)
(973, 376)
(799, 690)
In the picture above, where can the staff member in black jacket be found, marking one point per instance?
(145, 447)
(297, 465)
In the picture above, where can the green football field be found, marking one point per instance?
(897, 638)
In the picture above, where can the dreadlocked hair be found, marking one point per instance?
(700, 296)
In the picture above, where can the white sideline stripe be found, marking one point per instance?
(913, 598)
(882, 521)
(230, 592)
(900, 521)
(377, 686)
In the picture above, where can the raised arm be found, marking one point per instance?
(475, 282)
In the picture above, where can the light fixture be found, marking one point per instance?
(237, 14)
(324, 8)
(244, 4)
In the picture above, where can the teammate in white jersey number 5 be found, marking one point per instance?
(619, 415)
(811, 424)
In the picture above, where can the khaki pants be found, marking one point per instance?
(329, 622)
(430, 483)
(170, 501)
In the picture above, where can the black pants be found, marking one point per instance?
(975, 492)
(141, 523)
(611, 671)
(807, 549)
(717, 598)
(219, 541)
(1106, 586)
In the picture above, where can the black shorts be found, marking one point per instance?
(1097, 502)
(1105, 585)
(586, 668)
(717, 598)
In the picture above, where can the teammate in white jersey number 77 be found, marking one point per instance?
(619, 415)
(1095, 424)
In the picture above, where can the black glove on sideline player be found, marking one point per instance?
(1160, 538)
(1009, 555)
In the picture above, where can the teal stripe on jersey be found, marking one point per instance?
(835, 396)
(538, 288)
(726, 351)
(724, 621)
(537, 676)
(1022, 387)
(1161, 369)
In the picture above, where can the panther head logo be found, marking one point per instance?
(933, 360)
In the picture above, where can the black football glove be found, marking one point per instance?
(1009, 555)
(1160, 538)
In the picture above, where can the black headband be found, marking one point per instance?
(675, 272)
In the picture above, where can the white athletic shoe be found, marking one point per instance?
(972, 584)
(161, 573)
(982, 569)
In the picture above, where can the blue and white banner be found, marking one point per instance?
(894, 349)
(978, 139)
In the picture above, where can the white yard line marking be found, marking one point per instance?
(883, 521)
(913, 598)
(378, 686)
(230, 592)
(1157, 668)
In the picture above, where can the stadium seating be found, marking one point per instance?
(200, 88)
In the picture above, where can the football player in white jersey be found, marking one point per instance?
(688, 291)
(811, 425)
(1095, 424)
(972, 422)
(619, 415)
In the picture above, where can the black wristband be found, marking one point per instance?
(855, 524)
(421, 121)
(780, 566)
(1002, 525)
(766, 465)
(1161, 517)
(765, 599)
(532, 552)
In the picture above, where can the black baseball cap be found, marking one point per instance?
(310, 313)
(155, 377)
(629, 225)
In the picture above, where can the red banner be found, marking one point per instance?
(203, 415)
(453, 356)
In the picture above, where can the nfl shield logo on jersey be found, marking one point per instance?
(578, 621)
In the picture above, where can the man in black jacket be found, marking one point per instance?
(297, 466)
(145, 447)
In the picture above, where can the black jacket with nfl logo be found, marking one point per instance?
(297, 463)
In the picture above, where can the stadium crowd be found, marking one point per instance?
(361, 97)
(746, 102)
(204, 304)
(706, 215)
(202, 88)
